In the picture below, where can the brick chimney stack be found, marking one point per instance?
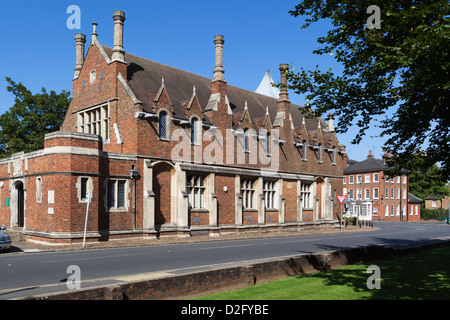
(283, 104)
(284, 96)
(370, 154)
(118, 52)
(218, 107)
(283, 118)
(80, 40)
(218, 100)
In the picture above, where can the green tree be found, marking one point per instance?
(397, 75)
(24, 125)
(426, 181)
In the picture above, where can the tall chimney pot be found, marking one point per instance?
(330, 122)
(118, 52)
(80, 40)
(94, 30)
(219, 71)
(283, 90)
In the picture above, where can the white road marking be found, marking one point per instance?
(223, 247)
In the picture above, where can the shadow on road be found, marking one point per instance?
(423, 275)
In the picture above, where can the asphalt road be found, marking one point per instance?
(27, 274)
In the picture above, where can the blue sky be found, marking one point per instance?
(39, 50)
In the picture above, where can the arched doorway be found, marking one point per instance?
(19, 205)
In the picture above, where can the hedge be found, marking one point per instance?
(433, 214)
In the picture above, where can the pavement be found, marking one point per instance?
(24, 246)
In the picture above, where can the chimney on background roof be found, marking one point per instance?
(80, 40)
(387, 155)
(370, 154)
(219, 71)
(118, 53)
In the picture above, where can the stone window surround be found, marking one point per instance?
(270, 192)
(104, 120)
(127, 197)
(89, 188)
(168, 125)
(39, 185)
(196, 191)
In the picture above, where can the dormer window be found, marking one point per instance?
(304, 150)
(319, 154)
(246, 142)
(333, 155)
(268, 141)
(163, 125)
(194, 131)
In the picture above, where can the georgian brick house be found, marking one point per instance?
(384, 198)
(157, 151)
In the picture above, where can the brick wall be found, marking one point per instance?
(105, 158)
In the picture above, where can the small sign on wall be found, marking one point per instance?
(7, 201)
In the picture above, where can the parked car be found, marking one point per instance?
(5, 240)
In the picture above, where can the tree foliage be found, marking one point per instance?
(24, 125)
(426, 181)
(396, 76)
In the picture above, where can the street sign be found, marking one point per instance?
(341, 199)
(87, 216)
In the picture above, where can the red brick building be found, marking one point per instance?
(385, 198)
(158, 151)
(435, 202)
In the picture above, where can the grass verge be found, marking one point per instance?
(425, 275)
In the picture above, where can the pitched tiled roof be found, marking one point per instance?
(145, 76)
(368, 165)
(413, 198)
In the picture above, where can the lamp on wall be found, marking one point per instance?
(134, 175)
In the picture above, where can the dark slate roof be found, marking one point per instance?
(368, 165)
(145, 76)
(414, 199)
(351, 162)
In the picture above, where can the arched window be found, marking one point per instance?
(38, 189)
(319, 153)
(304, 150)
(267, 143)
(163, 125)
(194, 131)
(333, 155)
(246, 142)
